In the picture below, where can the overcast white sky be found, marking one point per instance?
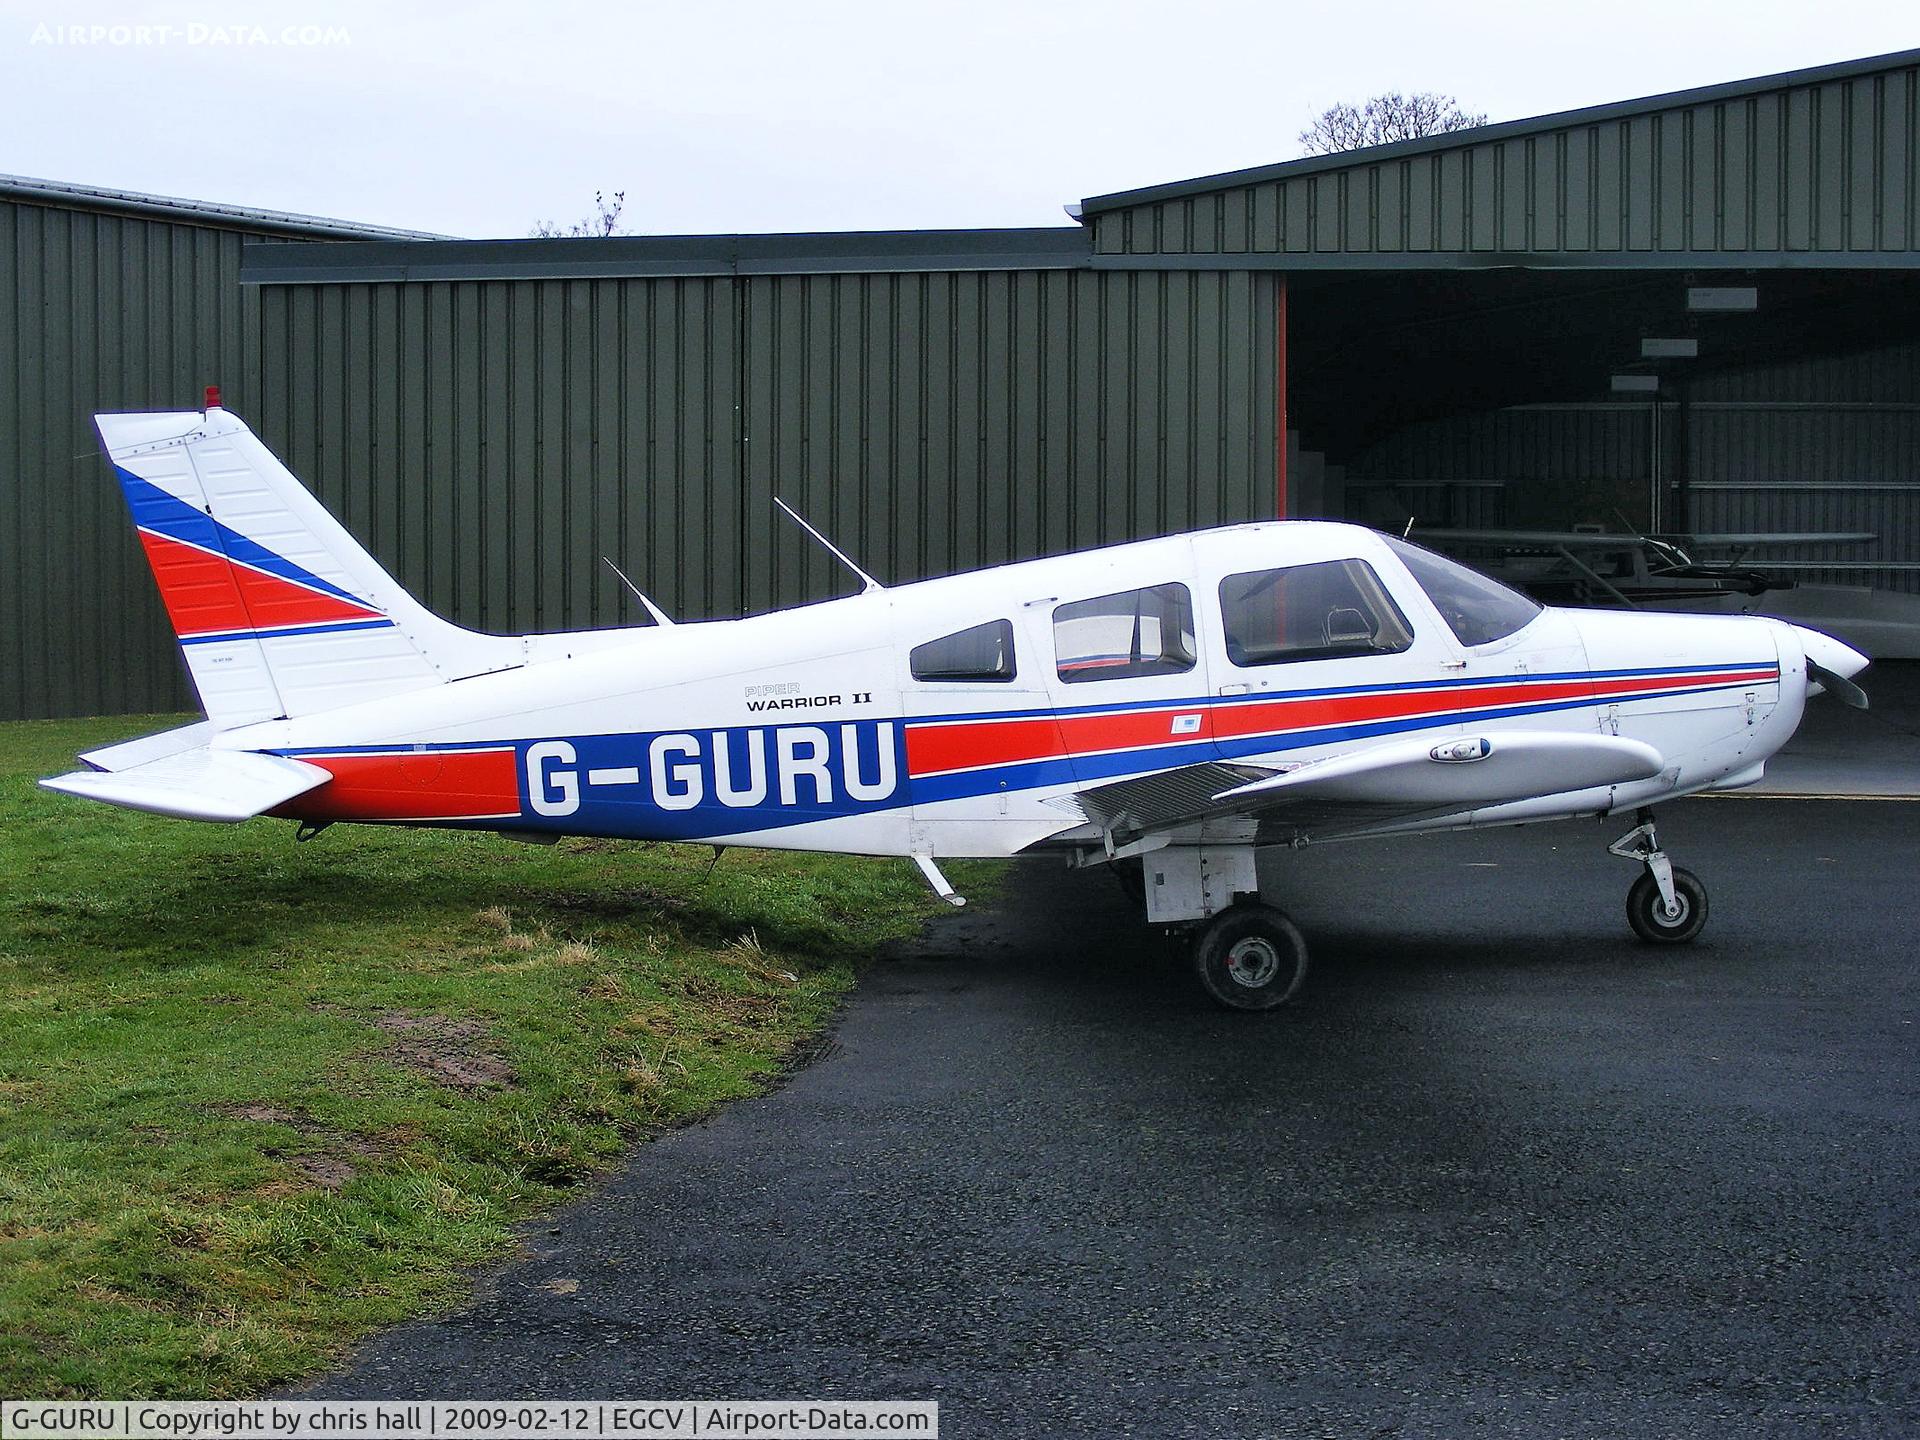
(838, 114)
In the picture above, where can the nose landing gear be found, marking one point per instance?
(1666, 905)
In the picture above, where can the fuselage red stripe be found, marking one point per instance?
(943, 747)
(412, 785)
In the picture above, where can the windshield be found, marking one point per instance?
(1477, 609)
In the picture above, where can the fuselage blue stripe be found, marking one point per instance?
(1174, 704)
(610, 808)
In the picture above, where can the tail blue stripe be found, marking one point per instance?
(154, 509)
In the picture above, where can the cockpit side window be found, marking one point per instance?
(980, 652)
(1125, 635)
(1328, 610)
(1477, 608)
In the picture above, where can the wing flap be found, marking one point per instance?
(198, 784)
(1168, 797)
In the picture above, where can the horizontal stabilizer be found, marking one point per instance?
(198, 784)
(1460, 772)
(129, 753)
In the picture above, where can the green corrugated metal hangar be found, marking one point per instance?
(1431, 329)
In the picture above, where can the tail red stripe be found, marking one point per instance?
(207, 594)
(197, 588)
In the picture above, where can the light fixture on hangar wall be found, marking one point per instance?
(1722, 299)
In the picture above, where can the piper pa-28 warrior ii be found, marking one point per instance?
(1172, 705)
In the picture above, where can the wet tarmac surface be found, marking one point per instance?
(1505, 1171)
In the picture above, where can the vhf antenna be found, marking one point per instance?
(659, 615)
(867, 581)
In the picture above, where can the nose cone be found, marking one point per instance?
(1829, 654)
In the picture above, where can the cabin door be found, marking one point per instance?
(1126, 671)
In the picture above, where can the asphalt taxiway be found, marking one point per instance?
(1505, 1171)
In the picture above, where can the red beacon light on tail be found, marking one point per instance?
(213, 398)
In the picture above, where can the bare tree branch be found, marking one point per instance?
(1384, 119)
(604, 221)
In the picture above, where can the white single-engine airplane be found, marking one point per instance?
(1179, 702)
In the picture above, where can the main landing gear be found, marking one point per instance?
(1250, 957)
(1667, 905)
(1246, 955)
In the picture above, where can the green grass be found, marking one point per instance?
(258, 1097)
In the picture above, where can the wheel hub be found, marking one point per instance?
(1253, 962)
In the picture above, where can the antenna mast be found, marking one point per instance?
(868, 583)
(659, 615)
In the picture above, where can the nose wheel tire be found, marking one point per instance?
(1648, 915)
(1250, 957)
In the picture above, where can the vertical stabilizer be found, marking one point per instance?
(279, 611)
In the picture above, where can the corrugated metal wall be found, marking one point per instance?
(1826, 444)
(97, 312)
(493, 439)
(1831, 167)
(480, 439)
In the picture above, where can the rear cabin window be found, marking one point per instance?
(1329, 610)
(1477, 608)
(981, 652)
(1124, 636)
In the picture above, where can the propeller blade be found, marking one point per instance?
(1838, 686)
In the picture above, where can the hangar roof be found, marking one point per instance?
(198, 212)
(1061, 247)
(1816, 168)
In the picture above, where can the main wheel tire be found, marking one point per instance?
(1251, 957)
(1646, 912)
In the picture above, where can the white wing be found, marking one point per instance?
(1360, 788)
